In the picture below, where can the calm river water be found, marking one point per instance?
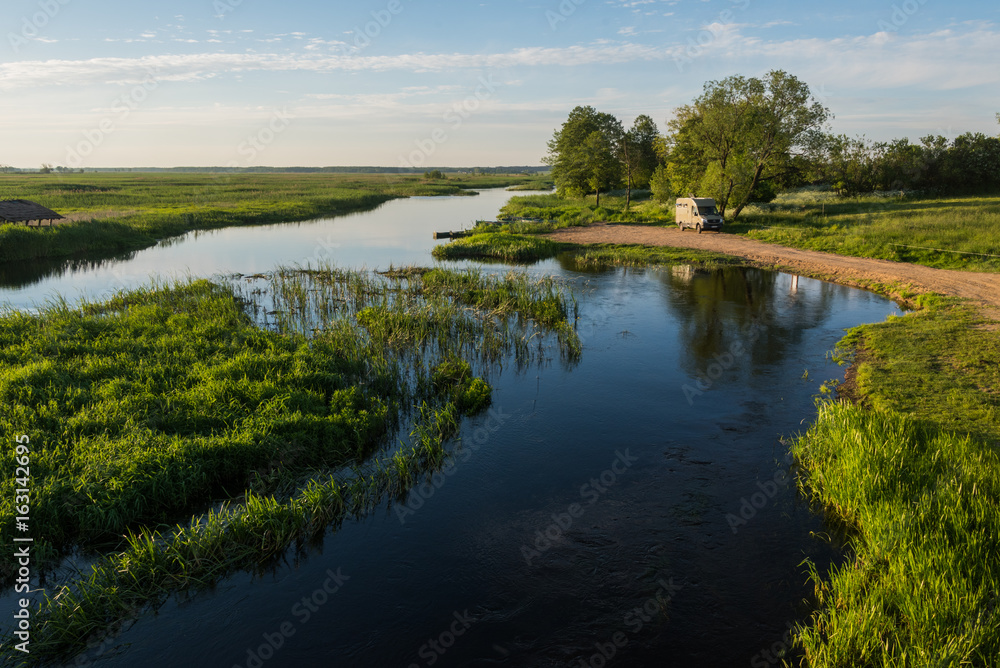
(635, 509)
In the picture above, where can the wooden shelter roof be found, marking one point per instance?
(21, 211)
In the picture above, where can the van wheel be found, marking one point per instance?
(680, 226)
(699, 229)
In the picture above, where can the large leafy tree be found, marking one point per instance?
(584, 153)
(740, 137)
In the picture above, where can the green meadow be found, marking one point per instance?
(943, 232)
(112, 212)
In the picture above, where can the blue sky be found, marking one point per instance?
(101, 83)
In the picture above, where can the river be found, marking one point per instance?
(636, 508)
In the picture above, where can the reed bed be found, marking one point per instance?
(279, 396)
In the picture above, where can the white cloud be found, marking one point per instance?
(943, 60)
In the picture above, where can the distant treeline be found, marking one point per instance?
(969, 163)
(533, 169)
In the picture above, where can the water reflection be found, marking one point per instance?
(396, 233)
(22, 274)
(729, 313)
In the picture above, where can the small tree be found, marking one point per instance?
(602, 167)
(662, 187)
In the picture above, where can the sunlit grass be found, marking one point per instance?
(276, 396)
(950, 233)
(913, 472)
(118, 212)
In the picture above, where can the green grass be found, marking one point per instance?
(500, 245)
(119, 212)
(939, 232)
(543, 184)
(145, 410)
(553, 212)
(949, 233)
(607, 255)
(912, 471)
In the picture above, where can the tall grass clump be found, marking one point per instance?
(275, 398)
(911, 470)
(923, 506)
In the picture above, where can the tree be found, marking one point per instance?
(637, 153)
(661, 185)
(741, 134)
(573, 150)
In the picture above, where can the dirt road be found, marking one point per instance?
(980, 287)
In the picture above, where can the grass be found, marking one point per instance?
(120, 212)
(544, 213)
(948, 232)
(499, 245)
(512, 248)
(912, 471)
(944, 232)
(622, 255)
(276, 395)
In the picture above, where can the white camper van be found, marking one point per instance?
(699, 213)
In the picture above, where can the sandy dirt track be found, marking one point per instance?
(982, 288)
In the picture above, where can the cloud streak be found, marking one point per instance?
(874, 61)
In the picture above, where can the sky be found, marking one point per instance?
(106, 83)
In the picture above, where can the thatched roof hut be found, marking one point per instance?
(23, 211)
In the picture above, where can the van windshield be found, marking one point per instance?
(707, 211)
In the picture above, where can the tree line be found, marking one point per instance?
(746, 139)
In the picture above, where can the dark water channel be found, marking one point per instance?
(634, 509)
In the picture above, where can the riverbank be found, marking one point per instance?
(111, 213)
(911, 470)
